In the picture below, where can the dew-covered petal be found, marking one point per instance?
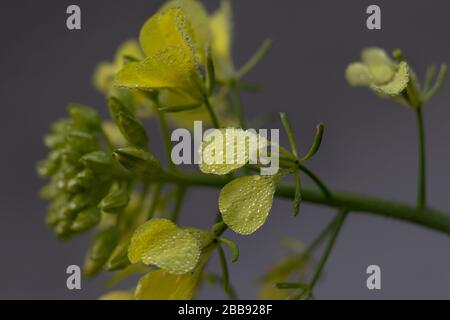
(170, 68)
(358, 74)
(161, 243)
(381, 67)
(221, 25)
(398, 83)
(225, 150)
(159, 285)
(245, 202)
(118, 295)
(166, 28)
(197, 18)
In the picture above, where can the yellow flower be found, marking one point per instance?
(106, 71)
(167, 40)
(378, 72)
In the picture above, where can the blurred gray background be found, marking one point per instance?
(369, 146)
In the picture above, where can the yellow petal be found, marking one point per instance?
(166, 28)
(105, 71)
(221, 39)
(358, 74)
(245, 202)
(198, 19)
(128, 49)
(170, 68)
(397, 84)
(118, 295)
(159, 285)
(381, 67)
(161, 243)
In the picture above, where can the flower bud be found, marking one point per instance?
(54, 140)
(81, 181)
(84, 116)
(62, 229)
(46, 168)
(116, 106)
(115, 201)
(138, 161)
(132, 129)
(78, 202)
(86, 219)
(119, 258)
(104, 243)
(97, 161)
(82, 142)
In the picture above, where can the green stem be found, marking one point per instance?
(255, 59)
(181, 192)
(213, 116)
(164, 131)
(156, 194)
(321, 237)
(237, 105)
(167, 141)
(356, 203)
(224, 267)
(316, 180)
(109, 144)
(341, 218)
(421, 193)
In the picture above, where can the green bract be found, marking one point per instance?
(245, 202)
(160, 242)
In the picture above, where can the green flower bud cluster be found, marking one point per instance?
(83, 176)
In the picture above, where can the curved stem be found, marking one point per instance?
(154, 204)
(224, 267)
(237, 105)
(321, 237)
(166, 137)
(164, 130)
(356, 203)
(421, 192)
(213, 116)
(316, 180)
(180, 193)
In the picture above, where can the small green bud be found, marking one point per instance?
(138, 161)
(116, 106)
(210, 74)
(119, 258)
(115, 201)
(104, 243)
(85, 116)
(60, 125)
(82, 180)
(97, 161)
(82, 141)
(62, 229)
(48, 191)
(54, 140)
(54, 210)
(86, 219)
(46, 168)
(132, 129)
(78, 202)
(70, 155)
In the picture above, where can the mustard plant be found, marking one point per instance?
(103, 175)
